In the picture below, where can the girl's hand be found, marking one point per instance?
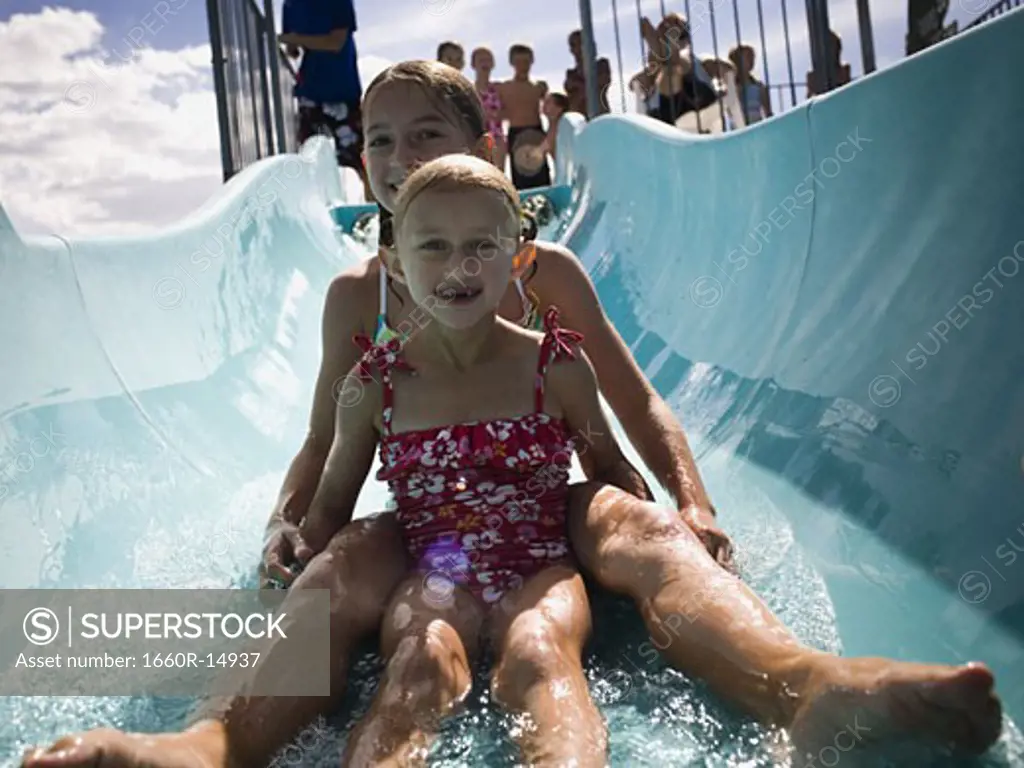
(705, 525)
(283, 549)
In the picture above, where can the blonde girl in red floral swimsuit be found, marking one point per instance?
(475, 418)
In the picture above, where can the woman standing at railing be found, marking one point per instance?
(679, 83)
(327, 87)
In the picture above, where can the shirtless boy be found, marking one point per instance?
(576, 80)
(521, 98)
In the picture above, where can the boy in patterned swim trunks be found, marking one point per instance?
(328, 88)
(522, 98)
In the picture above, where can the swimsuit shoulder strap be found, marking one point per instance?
(380, 331)
(384, 357)
(558, 344)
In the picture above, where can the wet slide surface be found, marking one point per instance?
(831, 301)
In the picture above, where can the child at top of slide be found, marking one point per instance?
(522, 98)
(576, 81)
(753, 95)
(482, 61)
(451, 53)
(555, 105)
(474, 417)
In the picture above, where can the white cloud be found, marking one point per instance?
(94, 147)
(371, 66)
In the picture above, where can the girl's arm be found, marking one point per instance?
(649, 422)
(345, 304)
(348, 462)
(573, 384)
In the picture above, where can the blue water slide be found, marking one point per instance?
(831, 301)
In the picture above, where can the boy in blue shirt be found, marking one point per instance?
(328, 87)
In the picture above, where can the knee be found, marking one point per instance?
(636, 542)
(643, 522)
(532, 655)
(608, 517)
(427, 667)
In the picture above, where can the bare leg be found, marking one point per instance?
(427, 638)
(500, 153)
(709, 624)
(540, 632)
(361, 567)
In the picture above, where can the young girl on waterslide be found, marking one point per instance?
(476, 419)
(415, 112)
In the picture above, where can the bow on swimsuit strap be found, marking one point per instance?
(558, 344)
(559, 341)
(384, 355)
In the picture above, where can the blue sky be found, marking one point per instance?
(137, 147)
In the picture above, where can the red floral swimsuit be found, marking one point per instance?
(481, 503)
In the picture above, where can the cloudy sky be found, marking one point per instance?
(89, 148)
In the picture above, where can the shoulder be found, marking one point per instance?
(571, 374)
(353, 291)
(556, 264)
(352, 282)
(561, 280)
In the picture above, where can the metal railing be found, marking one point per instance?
(253, 80)
(715, 26)
(995, 11)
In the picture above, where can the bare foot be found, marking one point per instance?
(200, 747)
(856, 702)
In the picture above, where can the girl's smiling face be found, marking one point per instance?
(405, 128)
(455, 249)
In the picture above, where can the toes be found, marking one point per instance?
(986, 725)
(66, 753)
(978, 676)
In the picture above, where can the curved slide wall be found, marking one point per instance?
(835, 299)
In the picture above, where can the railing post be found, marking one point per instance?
(824, 63)
(263, 40)
(251, 68)
(589, 59)
(220, 88)
(867, 36)
(275, 75)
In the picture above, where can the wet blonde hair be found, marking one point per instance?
(456, 172)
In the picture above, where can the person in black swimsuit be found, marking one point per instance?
(680, 83)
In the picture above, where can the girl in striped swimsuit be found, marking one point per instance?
(474, 417)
